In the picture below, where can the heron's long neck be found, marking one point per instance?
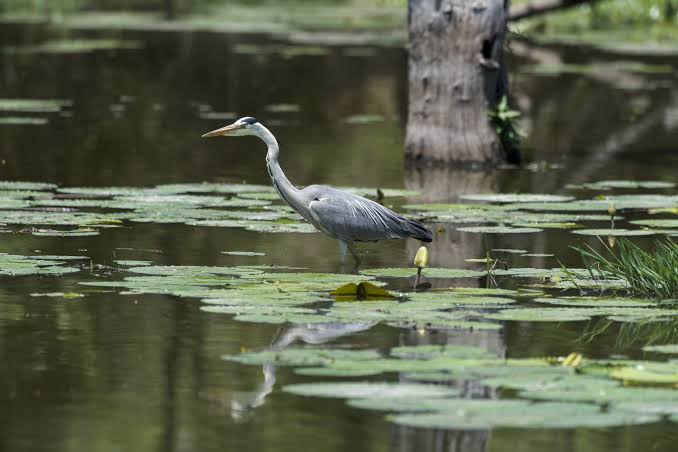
(288, 192)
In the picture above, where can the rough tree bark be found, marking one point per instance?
(456, 74)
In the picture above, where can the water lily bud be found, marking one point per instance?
(421, 259)
(611, 240)
(611, 209)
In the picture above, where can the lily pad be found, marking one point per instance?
(499, 230)
(667, 223)
(302, 356)
(665, 348)
(23, 121)
(625, 184)
(17, 265)
(370, 390)
(427, 272)
(483, 415)
(516, 197)
(437, 351)
(443, 300)
(595, 301)
(33, 105)
(22, 185)
(613, 232)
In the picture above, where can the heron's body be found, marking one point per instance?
(347, 217)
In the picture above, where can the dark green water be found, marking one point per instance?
(110, 372)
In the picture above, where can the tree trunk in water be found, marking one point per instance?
(456, 75)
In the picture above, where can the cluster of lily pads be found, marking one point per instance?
(18, 265)
(264, 294)
(529, 213)
(80, 211)
(31, 111)
(47, 209)
(535, 392)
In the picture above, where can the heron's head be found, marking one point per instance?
(243, 126)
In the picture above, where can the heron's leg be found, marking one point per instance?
(351, 248)
(343, 249)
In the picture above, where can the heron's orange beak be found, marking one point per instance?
(228, 130)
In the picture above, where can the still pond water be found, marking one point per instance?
(110, 371)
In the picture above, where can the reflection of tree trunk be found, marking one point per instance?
(413, 439)
(455, 72)
(446, 184)
(170, 11)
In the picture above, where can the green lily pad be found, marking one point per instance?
(595, 301)
(370, 390)
(77, 46)
(444, 300)
(486, 414)
(652, 374)
(23, 121)
(613, 394)
(665, 348)
(132, 263)
(613, 232)
(63, 233)
(34, 105)
(21, 185)
(364, 119)
(551, 225)
(66, 295)
(427, 272)
(498, 230)
(670, 223)
(436, 351)
(544, 314)
(516, 197)
(492, 291)
(302, 356)
(16, 265)
(625, 184)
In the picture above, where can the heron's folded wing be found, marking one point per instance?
(353, 218)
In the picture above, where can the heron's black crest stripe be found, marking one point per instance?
(250, 120)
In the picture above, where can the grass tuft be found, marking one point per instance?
(651, 273)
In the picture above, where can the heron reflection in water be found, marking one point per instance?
(244, 403)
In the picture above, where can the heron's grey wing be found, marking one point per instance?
(354, 218)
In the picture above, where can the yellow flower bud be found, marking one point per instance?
(611, 209)
(611, 240)
(421, 259)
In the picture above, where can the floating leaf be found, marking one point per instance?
(666, 348)
(625, 184)
(671, 223)
(429, 272)
(595, 301)
(486, 414)
(613, 232)
(498, 230)
(516, 197)
(372, 390)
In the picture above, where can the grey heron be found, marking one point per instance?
(345, 216)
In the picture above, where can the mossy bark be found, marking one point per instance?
(456, 75)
